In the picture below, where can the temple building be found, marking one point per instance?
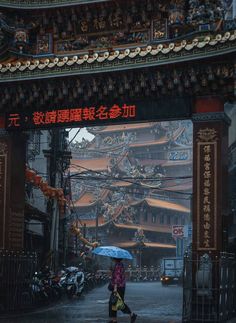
(132, 183)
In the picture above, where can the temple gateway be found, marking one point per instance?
(75, 63)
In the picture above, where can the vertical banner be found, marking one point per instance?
(207, 217)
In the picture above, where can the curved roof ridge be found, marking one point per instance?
(86, 199)
(157, 203)
(163, 228)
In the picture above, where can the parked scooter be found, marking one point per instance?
(73, 282)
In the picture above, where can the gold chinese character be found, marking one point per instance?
(206, 208)
(207, 149)
(207, 166)
(206, 234)
(206, 191)
(207, 226)
(207, 174)
(207, 183)
(206, 200)
(207, 158)
(206, 243)
(206, 217)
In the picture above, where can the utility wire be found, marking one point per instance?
(74, 136)
(135, 183)
(110, 176)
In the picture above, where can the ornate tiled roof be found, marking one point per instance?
(123, 127)
(180, 187)
(160, 141)
(131, 244)
(121, 184)
(171, 163)
(87, 199)
(92, 223)
(151, 55)
(101, 219)
(163, 205)
(84, 165)
(162, 228)
(163, 140)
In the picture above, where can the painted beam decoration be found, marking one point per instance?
(207, 189)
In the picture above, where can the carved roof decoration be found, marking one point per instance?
(40, 4)
(153, 83)
(202, 47)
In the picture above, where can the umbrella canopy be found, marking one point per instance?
(113, 252)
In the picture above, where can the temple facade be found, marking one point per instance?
(131, 179)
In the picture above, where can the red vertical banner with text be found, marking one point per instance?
(207, 216)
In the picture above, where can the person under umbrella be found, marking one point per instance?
(117, 284)
(118, 281)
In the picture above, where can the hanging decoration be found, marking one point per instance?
(75, 230)
(47, 190)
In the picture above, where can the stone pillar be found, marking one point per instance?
(210, 203)
(12, 191)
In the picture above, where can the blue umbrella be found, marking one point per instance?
(113, 252)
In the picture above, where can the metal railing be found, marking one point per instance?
(16, 272)
(209, 288)
(143, 274)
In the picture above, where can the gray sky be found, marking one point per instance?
(83, 133)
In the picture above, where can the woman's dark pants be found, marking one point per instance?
(126, 309)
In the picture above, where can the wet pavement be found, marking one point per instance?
(152, 302)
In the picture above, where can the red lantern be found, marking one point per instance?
(48, 191)
(53, 192)
(43, 186)
(37, 179)
(60, 192)
(30, 175)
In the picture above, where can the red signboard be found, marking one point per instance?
(70, 116)
(177, 231)
(119, 112)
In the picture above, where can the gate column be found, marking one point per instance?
(12, 190)
(210, 204)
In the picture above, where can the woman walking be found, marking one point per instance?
(118, 285)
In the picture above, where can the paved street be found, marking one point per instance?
(152, 302)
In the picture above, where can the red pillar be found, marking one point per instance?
(12, 191)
